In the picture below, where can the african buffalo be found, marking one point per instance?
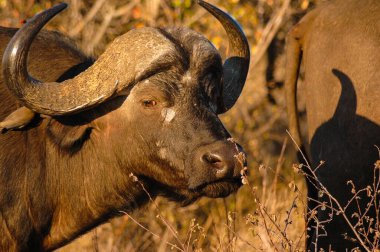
(147, 108)
(339, 45)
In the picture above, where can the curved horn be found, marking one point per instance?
(45, 98)
(235, 68)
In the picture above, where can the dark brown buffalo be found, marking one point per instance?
(148, 106)
(339, 44)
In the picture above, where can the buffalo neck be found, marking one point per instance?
(89, 188)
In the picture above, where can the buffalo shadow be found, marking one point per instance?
(346, 144)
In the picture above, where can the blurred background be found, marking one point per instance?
(267, 214)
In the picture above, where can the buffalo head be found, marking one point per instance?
(149, 103)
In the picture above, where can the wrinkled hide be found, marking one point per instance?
(339, 44)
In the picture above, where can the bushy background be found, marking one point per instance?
(265, 215)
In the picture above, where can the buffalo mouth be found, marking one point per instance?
(219, 188)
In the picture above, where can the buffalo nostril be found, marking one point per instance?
(216, 162)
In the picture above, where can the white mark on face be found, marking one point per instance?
(186, 77)
(163, 153)
(219, 171)
(168, 114)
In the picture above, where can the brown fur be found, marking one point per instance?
(61, 176)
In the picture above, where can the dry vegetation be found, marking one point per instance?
(268, 213)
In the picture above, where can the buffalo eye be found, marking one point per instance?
(149, 103)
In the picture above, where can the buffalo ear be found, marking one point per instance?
(69, 137)
(18, 119)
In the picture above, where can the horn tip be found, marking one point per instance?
(201, 2)
(208, 6)
(62, 5)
